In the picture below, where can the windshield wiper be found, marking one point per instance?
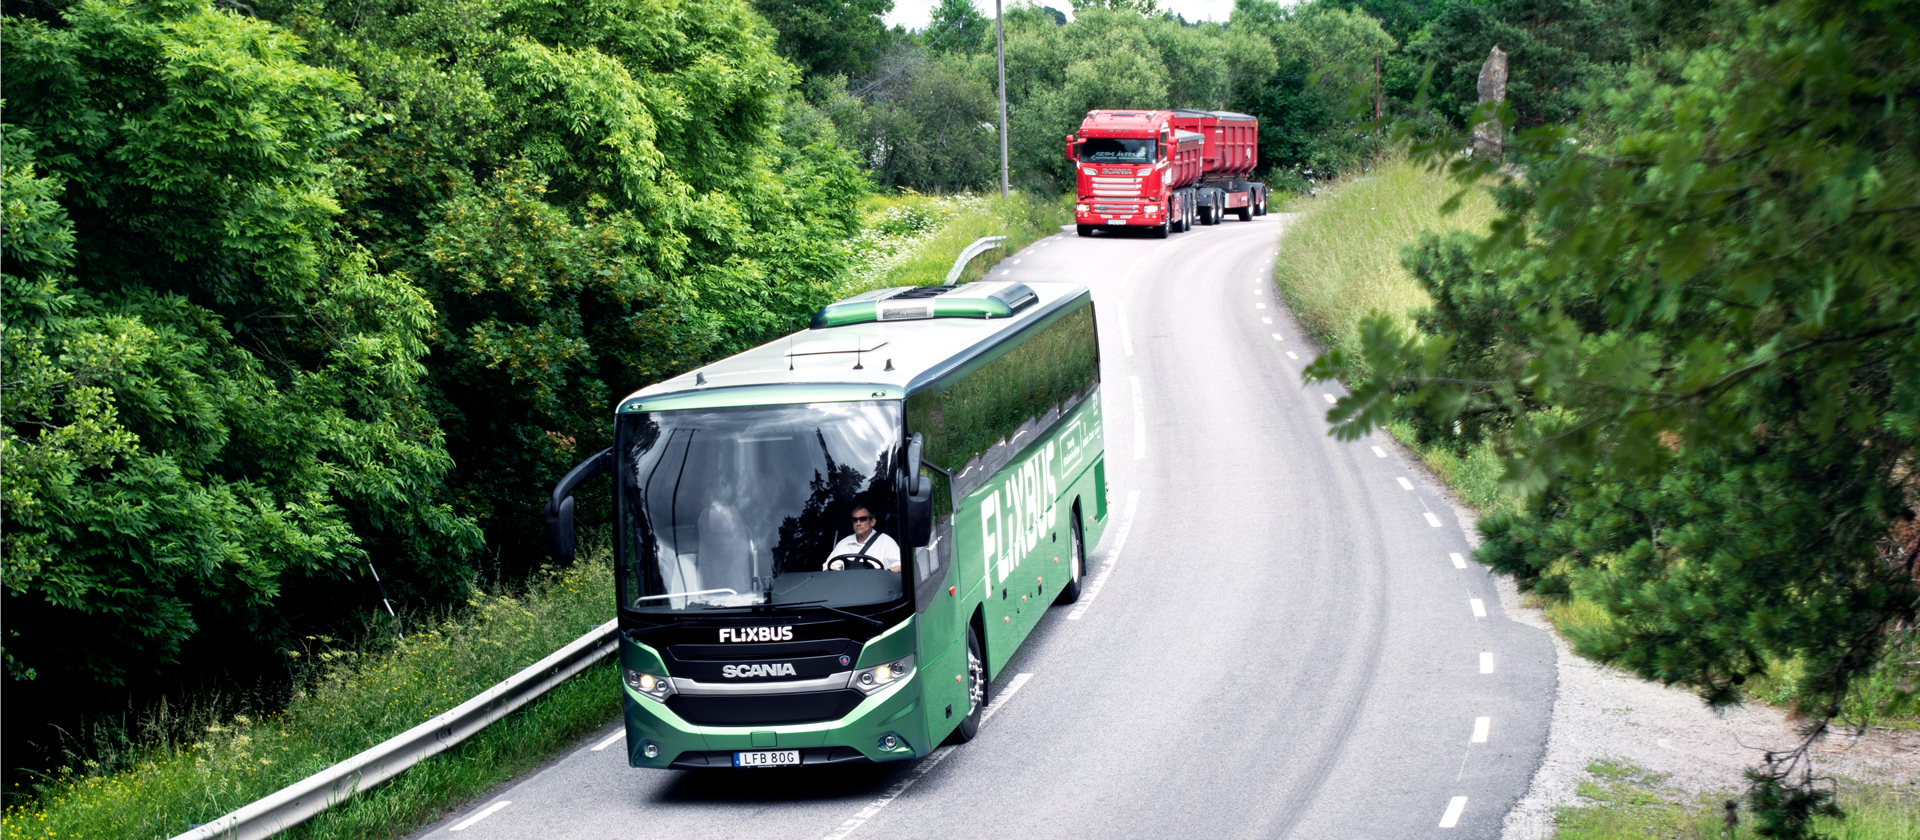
(822, 604)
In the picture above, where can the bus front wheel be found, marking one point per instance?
(976, 690)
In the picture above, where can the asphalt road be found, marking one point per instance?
(1276, 642)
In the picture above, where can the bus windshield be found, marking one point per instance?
(1117, 150)
(732, 507)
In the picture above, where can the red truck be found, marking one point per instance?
(1164, 170)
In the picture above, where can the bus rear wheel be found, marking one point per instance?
(976, 690)
(1078, 571)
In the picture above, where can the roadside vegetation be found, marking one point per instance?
(910, 239)
(177, 768)
(1620, 801)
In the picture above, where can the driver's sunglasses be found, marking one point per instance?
(863, 519)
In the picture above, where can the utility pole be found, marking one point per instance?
(1000, 48)
(1376, 88)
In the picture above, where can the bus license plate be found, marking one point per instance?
(766, 758)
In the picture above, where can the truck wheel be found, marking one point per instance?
(1084, 230)
(1246, 214)
(976, 691)
(1161, 231)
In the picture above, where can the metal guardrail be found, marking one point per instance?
(979, 246)
(306, 798)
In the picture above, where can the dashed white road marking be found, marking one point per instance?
(1458, 561)
(1479, 607)
(1431, 519)
(1486, 662)
(1480, 727)
(1379, 453)
(1005, 271)
(1265, 320)
(1452, 817)
(926, 764)
(1112, 559)
(1331, 398)
(1290, 355)
(1404, 483)
(1139, 421)
(463, 825)
(610, 739)
(1016, 262)
(1260, 305)
(1277, 337)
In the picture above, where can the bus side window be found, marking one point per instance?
(1025, 390)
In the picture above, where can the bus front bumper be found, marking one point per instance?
(857, 737)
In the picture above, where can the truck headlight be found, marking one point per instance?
(1079, 208)
(1152, 209)
(652, 685)
(873, 679)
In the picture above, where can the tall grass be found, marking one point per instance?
(349, 700)
(1340, 260)
(912, 239)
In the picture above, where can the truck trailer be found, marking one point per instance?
(1162, 171)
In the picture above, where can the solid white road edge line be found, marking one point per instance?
(1139, 421)
(463, 825)
(1458, 561)
(1480, 727)
(1404, 483)
(1431, 519)
(610, 739)
(1486, 662)
(1113, 559)
(1126, 334)
(1479, 607)
(1379, 453)
(1452, 817)
(931, 761)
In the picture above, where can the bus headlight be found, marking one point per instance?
(652, 685)
(873, 679)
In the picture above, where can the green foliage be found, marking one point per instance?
(829, 37)
(1621, 801)
(1317, 99)
(1696, 333)
(958, 26)
(1556, 50)
(352, 282)
(210, 395)
(189, 766)
(928, 125)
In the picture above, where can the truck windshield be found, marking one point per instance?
(731, 507)
(1117, 150)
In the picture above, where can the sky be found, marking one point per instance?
(914, 14)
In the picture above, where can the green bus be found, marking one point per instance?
(827, 545)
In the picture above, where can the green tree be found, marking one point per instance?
(213, 405)
(1319, 92)
(1697, 334)
(829, 37)
(1556, 51)
(958, 26)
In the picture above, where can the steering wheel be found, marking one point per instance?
(844, 562)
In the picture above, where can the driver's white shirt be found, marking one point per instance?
(884, 549)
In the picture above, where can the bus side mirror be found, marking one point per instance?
(917, 530)
(559, 514)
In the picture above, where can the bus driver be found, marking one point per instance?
(865, 548)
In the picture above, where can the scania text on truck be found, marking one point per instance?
(1162, 171)
(826, 546)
